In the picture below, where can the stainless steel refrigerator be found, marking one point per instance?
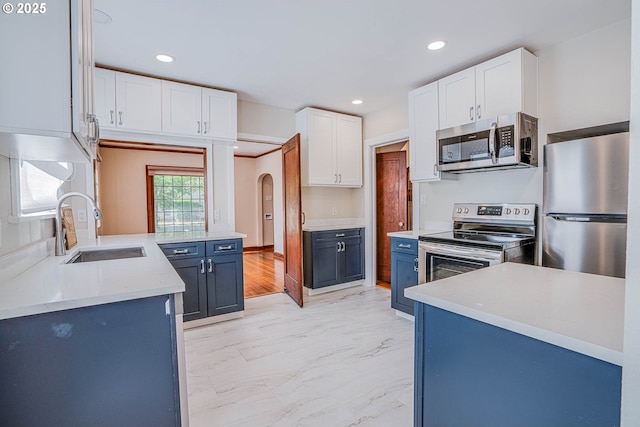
(585, 200)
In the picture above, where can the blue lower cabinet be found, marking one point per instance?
(213, 275)
(333, 257)
(469, 373)
(404, 274)
(107, 365)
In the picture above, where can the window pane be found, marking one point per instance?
(38, 189)
(179, 203)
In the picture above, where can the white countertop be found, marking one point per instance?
(414, 234)
(577, 311)
(52, 285)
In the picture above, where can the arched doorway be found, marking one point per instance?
(266, 203)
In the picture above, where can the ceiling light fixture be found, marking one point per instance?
(235, 147)
(436, 45)
(357, 101)
(164, 58)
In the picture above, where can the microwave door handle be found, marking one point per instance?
(492, 143)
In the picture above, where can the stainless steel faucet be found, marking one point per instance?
(60, 249)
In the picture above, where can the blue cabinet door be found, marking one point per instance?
(194, 297)
(352, 259)
(403, 275)
(326, 269)
(225, 284)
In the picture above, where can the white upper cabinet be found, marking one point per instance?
(423, 124)
(104, 83)
(181, 109)
(138, 103)
(219, 114)
(46, 81)
(503, 85)
(330, 148)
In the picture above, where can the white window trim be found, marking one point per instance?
(17, 216)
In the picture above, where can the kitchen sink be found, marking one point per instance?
(107, 254)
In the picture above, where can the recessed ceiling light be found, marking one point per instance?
(436, 45)
(235, 147)
(164, 58)
(100, 17)
(357, 101)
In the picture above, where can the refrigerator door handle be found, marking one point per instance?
(589, 218)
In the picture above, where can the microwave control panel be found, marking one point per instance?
(504, 137)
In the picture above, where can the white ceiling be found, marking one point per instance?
(325, 53)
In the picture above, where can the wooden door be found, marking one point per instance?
(391, 205)
(292, 219)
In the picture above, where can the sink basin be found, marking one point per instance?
(107, 254)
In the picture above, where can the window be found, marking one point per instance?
(36, 186)
(176, 199)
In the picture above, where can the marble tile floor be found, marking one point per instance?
(345, 359)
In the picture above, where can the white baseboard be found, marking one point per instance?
(332, 288)
(213, 319)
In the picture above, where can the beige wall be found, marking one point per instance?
(248, 175)
(123, 186)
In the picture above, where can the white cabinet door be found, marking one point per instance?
(321, 154)
(138, 103)
(219, 114)
(423, 124)
(104, 100)
(499, 86)
(456, 95)
(35, 85)
(181, 109)
(349, 150)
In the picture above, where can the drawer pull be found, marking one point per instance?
(225, 248)
(180, 251)
(404, 245)
(340, 235)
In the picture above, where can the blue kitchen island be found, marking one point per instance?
(518, 345)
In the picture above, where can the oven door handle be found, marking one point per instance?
(471, 253)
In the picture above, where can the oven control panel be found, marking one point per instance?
(494, 211)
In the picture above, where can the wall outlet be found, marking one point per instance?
(334, 211)
(82, 215)
(423, 199)
(216, 214)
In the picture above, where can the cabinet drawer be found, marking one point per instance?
(219, 247)
(335, 234)
(408, 246)
(183, 250)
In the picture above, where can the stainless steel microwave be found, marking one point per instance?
(503, 142)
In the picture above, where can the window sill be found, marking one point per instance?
(38, 216)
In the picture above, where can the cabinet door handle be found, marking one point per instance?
(415, 265)
(180, 251)
(120, 118)
(198, 126)
(335, 178)
(339, 177)
(478, 111)
(471, 113)
(202, 266)
(340, 235)
(339, 246)
(206, 129)
(111, 114)
(343, 246)
(210, 265)
(304, 217)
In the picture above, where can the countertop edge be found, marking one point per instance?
(563, 341)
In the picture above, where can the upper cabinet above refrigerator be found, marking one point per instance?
(46, 105)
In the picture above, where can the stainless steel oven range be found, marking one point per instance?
(483, 235)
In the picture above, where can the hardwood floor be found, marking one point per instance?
(263, 273)
(382, 284)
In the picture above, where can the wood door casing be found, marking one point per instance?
(292, 219)
(391, 206)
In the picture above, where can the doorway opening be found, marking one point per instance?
(393, 203)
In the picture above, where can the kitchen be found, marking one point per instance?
(574, 75)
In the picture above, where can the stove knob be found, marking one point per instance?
(507, 211)
(516, 211)
(458, 210)
(466, 210)
(525, 211)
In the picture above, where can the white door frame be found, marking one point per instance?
(370, 145)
